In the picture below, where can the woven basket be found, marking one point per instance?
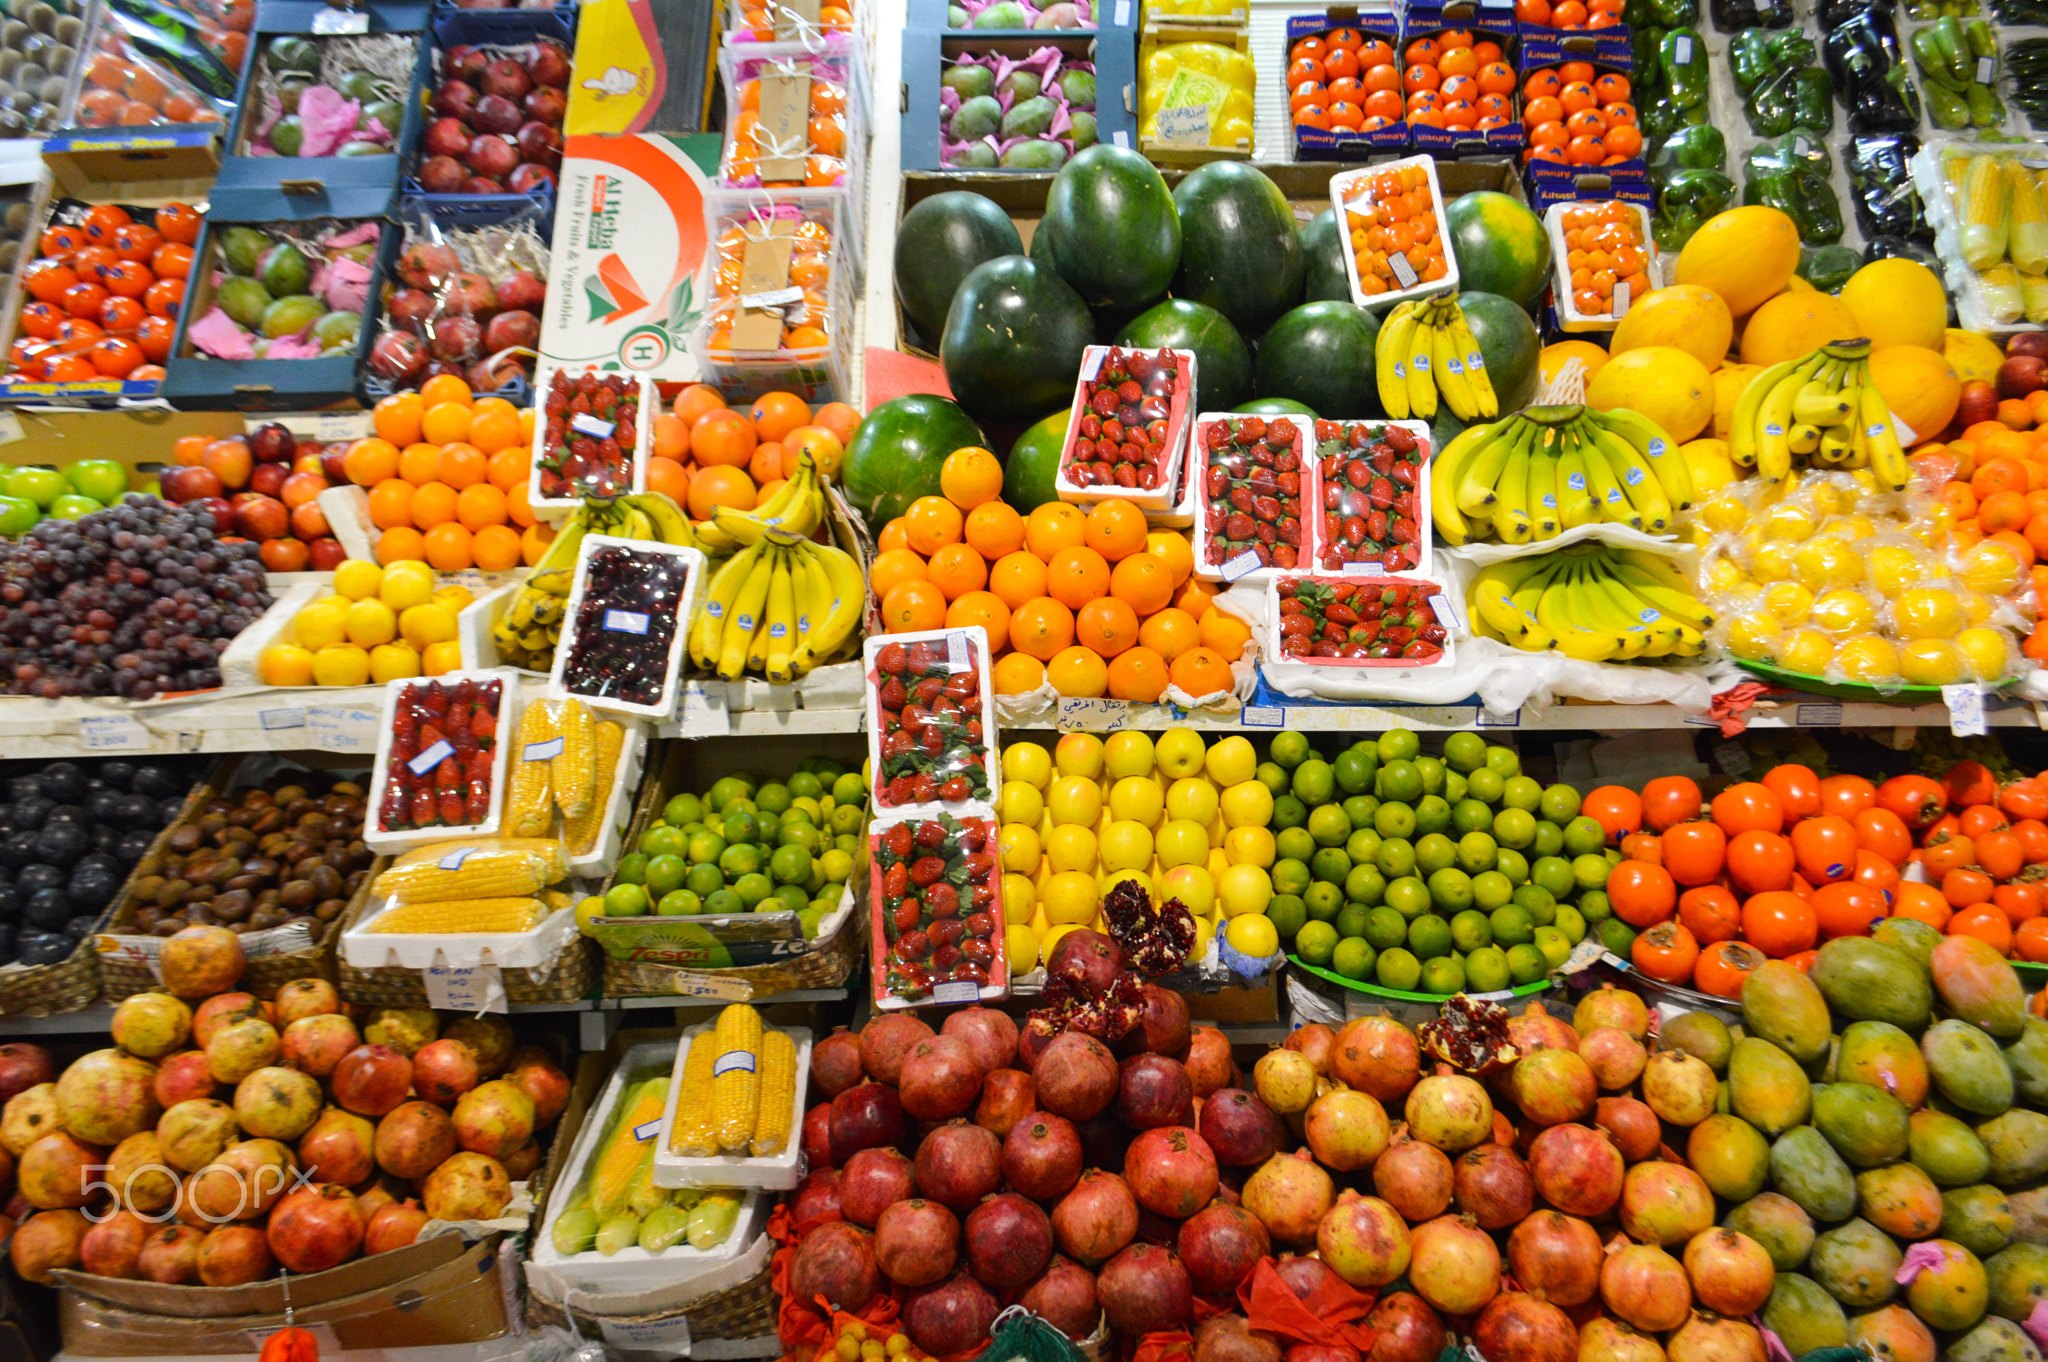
(570, 977)
(827, 965)
(746, 1310)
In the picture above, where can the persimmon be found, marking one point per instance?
(2022, 902)
(1967, 783)
(1748, 805)
(1966, 887)
(1643, 846)
(2030, 942)
(1617, 809)
(1759, 860)
(2033, 835)
(1950, 853)
(1917, 800)
(1711, 913)
(1666, 952)
(1642, 894)
(1779, 923)
(1724, 966)
(1669, 801)
(1922, 903)
(1846, 908)
(2027, 798)
(1878, 872)
(1802, 960)
(1797, 789)
(1883, 832)
(1987, 924)
(1846, 796)
(2001, 853)
(1694, 852)
(1979, 819)
(1824, 848)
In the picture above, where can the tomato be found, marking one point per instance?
(1950, 853)
(1967, 783)
(1797, 789)
(1748, 805)
(1642, 894)
(1779, 924)
(1694, 852)
(1669, 801)
(2019, 902)
(1667, 952)
(1966, 887)
(2001, 853)
(1877, 872)
(1883, 832)
(1825, 848)
(1979, 819)
(1711, 913)
(1846, 908)
(1723, 966)
(1922, 903)
(1643, 846)
(2024, 799)
(1846, 796)
(2033, 835)
(1759, 860)
(1616, 808)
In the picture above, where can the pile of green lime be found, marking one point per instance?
(1432, 874)
(749, 846)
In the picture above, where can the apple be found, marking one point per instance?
(309, 522)
(327, 553)
(2018, 377)
(71, 506)
(2028, 343)
(181, 485)
(549, 65)
(18, 515)
(505, 78)
(334, 465)
(231, 461)
(40, 485)
(509, 330)
(104, 480)
(442, 175)
(522, 291)
(540, 144)
(273, 442)
(222, 511)
(282, 554)
(546, 104)
(268, 479)
(261, 517)
(491, 156)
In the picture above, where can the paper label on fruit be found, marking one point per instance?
(647, 1130)
(626, 621)
(432, 757)
(583, 423)
(1986, 67)
(1619, 307)
(733, 1061)
(1682, 50)
(541, 751)
(784, 134)
(1245, 563)
(1447, 610)
(1406, 277)
(956, 991)
(781, 297)
(1186, 108)
(454, 859)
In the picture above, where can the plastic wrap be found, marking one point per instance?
(149, 64)
(796, 340)
(1869, 74)
(1957, 62)
(1368, 507)
(465, 299)
(1179, 75)
(101, 297)
(1001, 112)
(329, 96)
(1783, 88)
(1564, 127)
(936, 898)
(1734, 16)
(1676, 97)
(1794, 175)
(933, 732)
(812, 156)
(1881, 187)
(1020, 14)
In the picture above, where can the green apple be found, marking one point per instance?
(18, 515)
(40, 485)
(71, 506)
(101, 479)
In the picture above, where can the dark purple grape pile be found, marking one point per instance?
(138, 600)
(625, 624)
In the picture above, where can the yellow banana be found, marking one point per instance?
(1887, 460)
(1511, 518)
(1659, 450)
(1486, 401)
(1638, 483)
(1491, 596)
(1422, 392)
(1390, 359)
(1445, 470)
(1604, 484)
(1742, 422)
(1575, 505)
(1449, 368)
(707, 633)
(1475, 490)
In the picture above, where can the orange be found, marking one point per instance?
(479, 506)
(1021, 673)
(1144, 581)
(1077, 671)
(1201, 671)
(957, 570)
(1172, 547)
(1053, 526)
(766, 465)
(896, 565)
(723, 438)
(485, 406)
(433, 504)
(369, 462)
(1016, 577)
(1108, 626)
(510, 467)
(450, 548)
(400, 542)
(496, 548)
(492, 429)
(720, 486)
(391, 503)
(838, 418)
(419, 463)
(1076, 576)
(1115, 529)
(444, 388)
(445, 423)
(984, 609)
(1170, 633)
(971, 477)
(1137, 674)
(534, 541)
(397, 418)
(1041, 627)
(931, 523)
(911, 607)
(667, 477)
(1195, 597)
(671, 437)
(517, 509)
(777, 414)
(693, 401)
(894, 535)
(461, 465)
(1225, 633)
(827, 451)
(994, 528)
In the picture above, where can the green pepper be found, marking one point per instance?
(1686, 201)
(1791, 49)
(1683, 55)
(1643, 43)
(1792, 175)
(1813, 100)
(1660, 119)
(1827, 268)
(1749, 59)
(1700, 148)
(1769, 107)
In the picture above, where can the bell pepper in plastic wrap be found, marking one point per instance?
(1682, 99)
(1827, 268)
(1784, 89)
(1881, 189)
(1869, 72)
(1184, 74)
(1791, 175)
(1702, 147)
(1734, 16)
(1685, 201)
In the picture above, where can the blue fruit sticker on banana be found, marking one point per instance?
(1474, 361)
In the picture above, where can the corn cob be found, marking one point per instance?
(461, 915)
(434, 851)
(613, 1171)
(2000, 289)
(2027, 243)
(529, 793)
(1983, 205)
(474, 870)
(620, 1231)
(663, 1227)
(2034, 292)
(575, 765)
(576, 1230)
(644, 1198)
(736, 1076)
(691, 1134)
(712, 1219)
(582, 833)
(778, 1094)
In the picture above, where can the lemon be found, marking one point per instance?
(1253, 934)
(1927, 612)
(342, 665)
(1770, 563)
(1754, 637)
(1179, 752)
(1990, 567)
(389, 661)
(1708, 463)
(320, 626)
(1250, 845)
(1070, 897)
(358, 579)
(1020, 849)
(1806, 650)
(1855, 527)
(425, 625)
(1821, 563)
(1931, 662)
(1194, 886)
(1232, 762)
(1724, 512)
(1074, 800)
(1244, 889)
(1788, 602)
(1137, 799)
(1891, 568)
(1724, 575)
(1977, 608)
(1205, 932)
(1788, 523)
(441, 658)
(1192, 798)
(1019, 900)
(1126, 845)
(1128, 754)
(1182, 841)
(1844, 612)
(1021, 802)
(1070, 848)
(1020, 943)
(1986, 651)
(1028, 762)
(1868, 658)
(1050, 938)
(371, 623)
(406, 584)
(285, 664)
(1079, 754)
(454, 598)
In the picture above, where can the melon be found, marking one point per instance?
(1794, 325)
(1745, 254)
(1658, 381)
(1032, 470)
(1552, 361)
(1694, 319)
(1729, 381)
(1972, 356)
(1920, 388)
(1708, 463)
(1898, 302)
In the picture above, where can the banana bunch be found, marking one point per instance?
(526, 633)
(797, 506)
(1425, 349)
(1591, 602)
(1544, 470)
(778, 607)
(1823, 409)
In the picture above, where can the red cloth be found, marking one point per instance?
(1172, 1346)
(892, 374)
(812, 1324)
(1730, 705)
(1334, 1314)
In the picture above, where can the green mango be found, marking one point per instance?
(2027, 1057)
(2017, 1141)
(1781, 1005)
(2018, 1280)
(1766, 1088)
(1883, 1056)
(1978, 1217)
(1901, 1200)
(1730, 1157)
(1952, 1294)
(1979, 985)
(1864, 979)
(1722, 1103)
(1993, 1340)
(1968, 1067)
(242, 247)
(1701, 1034)
(1947, 1149)
(1804, 1316)
(1854, 1262)
(1777, 1222)
(1866, 1125)
(2029, 1215)
(1910, 935)
(1806, 1168)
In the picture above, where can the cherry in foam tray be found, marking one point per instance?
(931, 719)
(938, 918)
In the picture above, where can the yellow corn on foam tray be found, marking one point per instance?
(778, 1174)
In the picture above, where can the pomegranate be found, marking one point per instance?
(1577, 1169)
(1208, 1061)
(1065, 1298)
(23, 1066)
(1537, 1030)
(1076, 1075)
(1289, 1193)
(1679, 1087)
(1154, 1091)
(1303, 1276)
(1414, 1178)
(885, 1043)
(1631, 1125)
(1453, 1264)
(404, 1029)
(1730, 1272)
(1285, 1080)
(1645, 1286)
(393, 1227)
(1087, 959)
(337, 1148)
(1616, 1057)
(242, 1184)
(1104, 1140)
(276, 1103)
(107, 1096)
(1230, 1338)
(1492, 1184)
(1665, 1203)
(1710, 1338)
(1609, 1340)
(952, 1317)
(371, 1079)
(1519, 1327)
(171, 1256)
(47, 1242)
(957, 1165)
(865, 1116)
(876, 1179)
(916, 1242)
(490, 1039)
(1240, 1129)
(1553, 1086)
(1314, 1042)
(1171, 1171)
(1347, 1130)
(111, 1248)
(1219, 1246)
(29, 1115)
(305, 998)
(444, 1070)
(1611, 1006)
(58, 1172)
(541, 1079)
(494, 1118)
(837, 1262)
(1364, 1241)
(1145, 1290)
(835, 1063)
(185, 1076)
(414, 1139)
(1449, 1111)
(1097, 1219)
(1556, 1254)
(1032, 1038)
(816, 1200)
(1404, 1329)
(1163, 1027)
(941, 1079)
(151, 1025)
(198, 962)
(1042, 1156)
(225, 1009)
(522, 1162)
(317, 1227)
(817, 1136)
(1009, 1242)
(1007, 1096)
(315, 1045)
(1377, 1055)
(234, 1255)
(990, 1036)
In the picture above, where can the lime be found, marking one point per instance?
(723, 903)
(849, 789)
(1455, 787)
(742, 827)
(1503, 760)
(739, 860)
(1362, 845)
(1560, 803)
(789, 896)
(1355, 919)
(1432, 771)
(1511, 926)
(1396, 857)
(1288, 812)
(1450, 889)
(1289, 876)
(632, 868)
(1433, 852)
(1485, 785)
(1470, 930)
(811, 919)
(753, 888)
(1272, 775)
(1294, 844)
(772, 797)
(1549, 839)
(679, 903)
(1313, 782)
(704, 879)
(1520, 792)
(1526, 964)
(1571, 922)
(1486, 969)
(1432, 814)
(790, 865)
(1584, 835)
(1538, 903)
(683, 808)
(1399, 744)
(1394, 820)
(1328, 825)
(1316, 943)
(725, 790)
(1384, 927)
(1464, 752)
(1397, 969)
(800, 835)
(1365, 884)
(1476, 851)
(806, 785)
(1469, 815)
(1353, 958)
(1490, 889)
(1512, 864)
(848, 818)
(1556, 947)
(1330, 865)
(1590, 872)
(1287, 915)
(1289, 748)
(1409, 897)
(1554, 873)
(1617, 936)
(1445, 974)
(1321, 902)
(625, 900)
(1429, 936)
(1323, 899)
(1399, 780)
(1359, 809)
(1514, 827)
(1594, 907)
(1353, 771)
(665, 873)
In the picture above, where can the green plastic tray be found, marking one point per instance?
(1861, 691)
(1360, 986)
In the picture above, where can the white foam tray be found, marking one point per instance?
(508, 706)
(778, 1174)
(365, 949)
(686, 609)
(1569, 318)
(558, 509)
(473, 632)
(1158, 501)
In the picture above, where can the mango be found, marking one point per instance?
(1883, 1056)
(1893, 1333)
(2030, 1215)
(1781, 1005)
(1866, 1125)
(1701, 1034)
(1854, 1263)
(2017, 1278)
(2027, 1057)
(1778, 1223)
(1730, 1157)
(1867, 980)
(1993, 1340)
(1979, 985)
(1978, 1217)
(1766, 1088)
(1952, 1294)
(1946, 1149)
(1804, 1316)
(2017, 1142)
(1910, 935)
(1900, 1200)
(1806, 1168)
(1967, 1066)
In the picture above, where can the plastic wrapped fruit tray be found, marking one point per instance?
(1248, 473)
(1127, 438)
(1358, 621)
(1368, 490)
(938, 913)
(623, 628)
(931, 720)
(778, 1173)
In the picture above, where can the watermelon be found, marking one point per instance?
(1034, 463)
(896, 455)
(1013, 340)
(1500, 246)
(1111, 228)
(1322, 250)
(940, 239)
(1275, 406)
(1240, 251)
(1223, 364)
(1508, 339)
(1324, 351)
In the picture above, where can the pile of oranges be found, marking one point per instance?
(1577, 116)
(1342, 80)
(102, 296)
(120, 91)
(447, 474)
(1994, 494)
(708, 455)
(1091, 602)
(1573, 15)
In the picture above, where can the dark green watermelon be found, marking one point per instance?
(1275, 406)
(1508, 339)
(896, 455)
(940, 239)
(1322, 252)
(1240, 251)
(1013, 340)
(1111, 228)
(1322, 351)
(1223, 363)
(1034, 463)
(1500, 246)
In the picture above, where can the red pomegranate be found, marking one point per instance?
(1219, 1246)
(1208, 1061)
(1163, 1027)
(1076, 1075)
(1493, 1186)
(1557, 1255)
(1453, 1264)
(1042, 1156)
(952, 1317)
(1240, 1129)
(1171, 1171)
(990, 1034)
(874, 1180)
(1665, 1203)
(316, 1228)
(836, 1261)
(1230, 1338)
(1097, 1219)
(1577, 1169)
(816, 1200)
(885, 1043)
(1009, 1242)
(1645, 1286)
(916, 1242)
(1553, 1086)
(1712, 1338)
(1087, 959)
(1414, 1178)
(1145, 1290)
(1154, 1091)
(1535, 1029)
(1290, 1194)
(1609, 1340)
(865, 1116)
(1065, 1298)
(941, 1079)
(835, 1063)
(1007, 1096)
(957, 1165)
(1730, 1272)
(1404, 1329)
(1377, 1055)
(1632, 1126)
(1363, 1240)
(1519, 1327)
(1616, 1057)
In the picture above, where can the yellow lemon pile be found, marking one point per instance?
(378, 624)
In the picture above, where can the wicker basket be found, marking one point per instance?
(568, 979)
(743, 1311)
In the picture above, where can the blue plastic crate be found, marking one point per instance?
(506, 27)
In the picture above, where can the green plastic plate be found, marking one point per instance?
(1847, 690)
(1360, 986)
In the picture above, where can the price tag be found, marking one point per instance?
(542, 751)
(1187, 126)
(1121, 138)
(1243, 565)
(1986, 68)
(1404, 273)
(432, 757)
(275, 719)
(704, 712)
(1263, 716)
(1732, 758)
(1093, 715)
(1367, 569)
(334, 427)
(114, 733)
(626, 621)
(780, 297)
(583, 423)
(10, 428)
(668, 1335)
(454, 859)
(694, 985)
(1448, 611)
(1681, 50)
(1620, 307)
(733, 1062)
(472, 989)
(1486, 718)
(1965, 710)
(959, 655)
(956, 991)
(647, 1130)
(1816, 716)
(335, 729)
(1123, 13)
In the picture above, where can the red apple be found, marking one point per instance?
(529, 177)
(221, 510)
(1979, 403)
(334, 464)
(549, 66)
(261, 517)
(268, 479)
(231, 462)
(2018, 377)
(505, 78)
(309, 522)
(2028, 343)
(190, 484)
(327, 554)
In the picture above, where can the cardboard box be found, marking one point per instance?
(928, 52)
(1161, 151)
(621, 84)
